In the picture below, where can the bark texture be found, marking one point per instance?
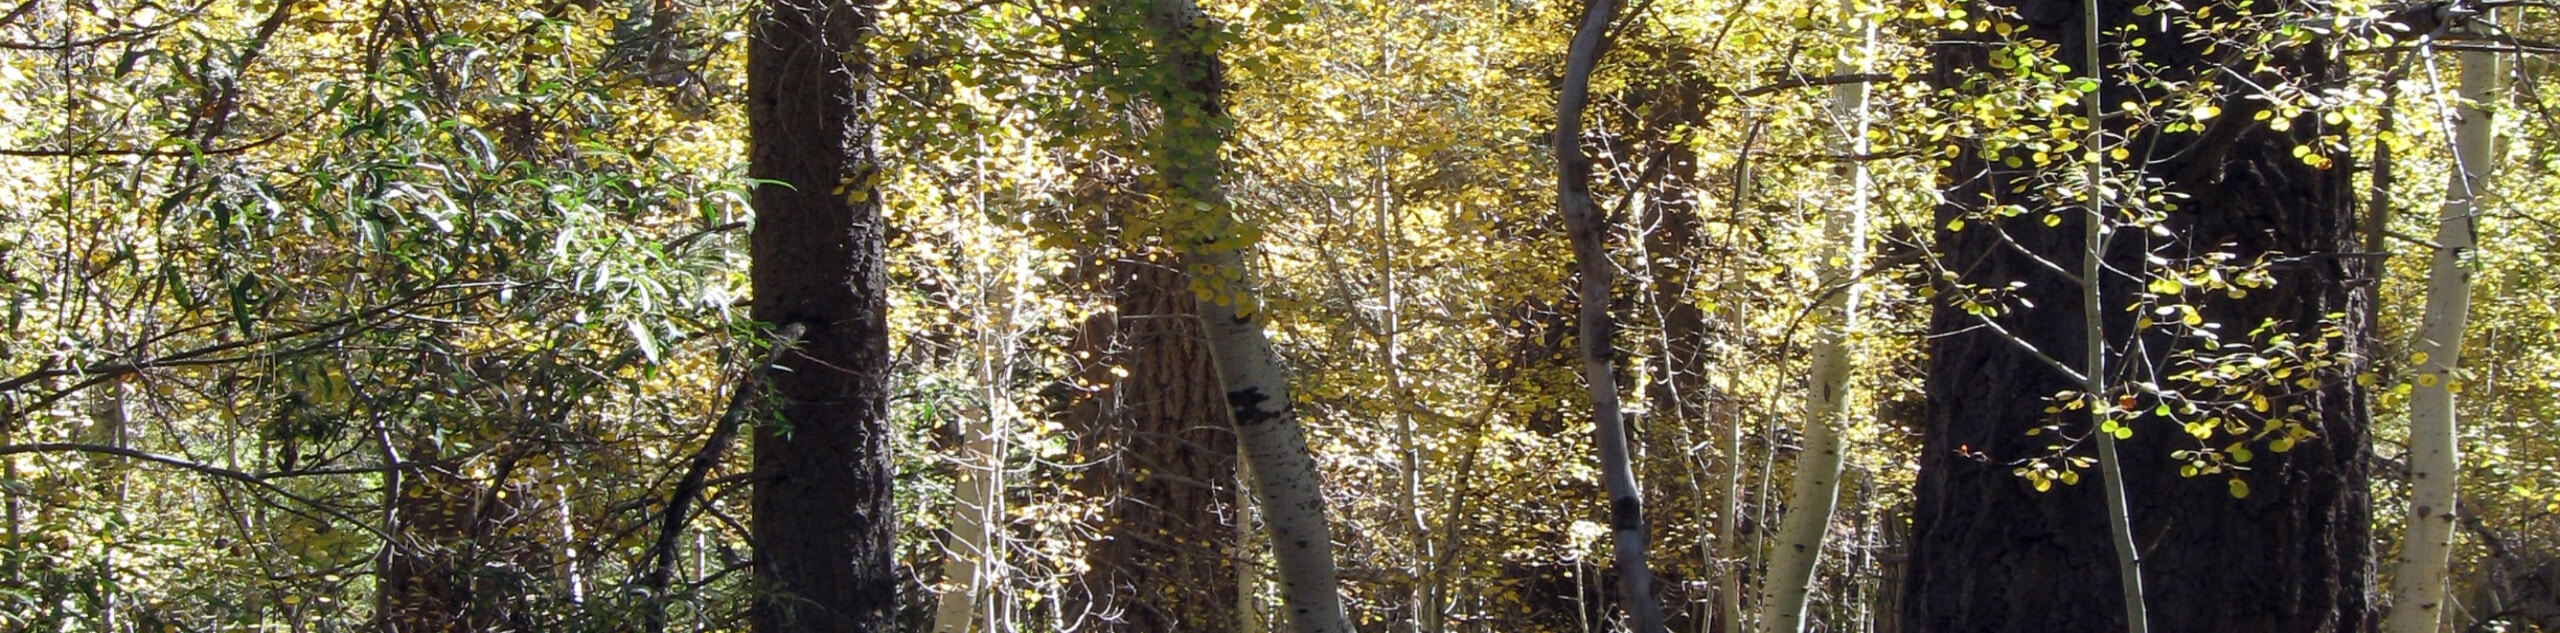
(452, 570)
(1989, 553)
(1169, 457)
(822, 519)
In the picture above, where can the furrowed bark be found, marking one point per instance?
(1596, 335)
(2435, 458)
(822, 516)
(1991, 553)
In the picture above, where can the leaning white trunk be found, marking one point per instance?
(1816, 488)
(1726, 555)
(2418, 587)
(1285, 484)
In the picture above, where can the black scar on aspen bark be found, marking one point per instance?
(1247, 404)
(1626, 513)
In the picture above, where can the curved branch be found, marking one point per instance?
(698, 471)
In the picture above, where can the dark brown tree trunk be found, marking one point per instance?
(1167, 456)
(822, 519)
(1677, 393)
(1989, 552)
(459, 563)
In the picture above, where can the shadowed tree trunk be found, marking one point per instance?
(822, 506)
(1677, 394)
(1168, 457)
(460, 546)
(2291, 552)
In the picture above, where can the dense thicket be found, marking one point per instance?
(439, 315)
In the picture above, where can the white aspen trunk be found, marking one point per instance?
(1816, 488)
(1726, 553)
(1251, 616)
(569, 550)
(981, 469)
(2418, 597)
(979, 508)
(1408, 446)
(1285, 481)
(1596, 334)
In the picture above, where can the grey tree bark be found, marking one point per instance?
(1815, 492)
(1597, 333)
(2435, 457)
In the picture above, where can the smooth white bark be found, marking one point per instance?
(1726, 553)
(1285, 483)
(2426, 547)
(1815, 490)
(2093, 372)
(972, 514)
(2128, 559)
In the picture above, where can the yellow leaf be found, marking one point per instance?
(2239, 489)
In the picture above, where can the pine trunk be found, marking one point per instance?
(822, 516)
(1990, 552)
(1158, 426)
